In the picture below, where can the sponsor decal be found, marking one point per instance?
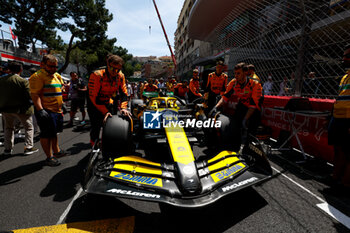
(227, 172)
(132, 193)
(256, 149)
(139, 179)
(239, 184)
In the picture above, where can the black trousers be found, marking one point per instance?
(96, 120)
(240, 135)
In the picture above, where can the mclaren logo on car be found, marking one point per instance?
(132, 193)
(239, 184)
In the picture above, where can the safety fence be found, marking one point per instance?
(298, 43)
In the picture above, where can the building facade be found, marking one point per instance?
(187, 50)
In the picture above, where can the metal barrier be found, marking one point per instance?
(298, 43)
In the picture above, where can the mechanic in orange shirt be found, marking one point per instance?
(216, 85)
(150, 87)
(241, 104)
(106, 89)
(181, 89)
(194, 87)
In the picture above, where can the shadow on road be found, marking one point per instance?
(14, 175)
(65, 184)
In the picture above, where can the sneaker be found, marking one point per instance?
(82, 123)
(7, 152)
(52, 161)
(29, 151)
(60, 154)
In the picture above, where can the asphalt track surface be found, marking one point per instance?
(39, 198)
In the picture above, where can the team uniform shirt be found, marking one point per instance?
(49, 89)
(150, 88)
(103, 88)
(342, 105)
(194, 87)
(217, 84)
(181, 89)
(247, 94)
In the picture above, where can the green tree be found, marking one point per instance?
(34, 20)
(89, 26)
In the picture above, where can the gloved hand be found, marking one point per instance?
(43, 114)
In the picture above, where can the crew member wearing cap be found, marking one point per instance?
(103, 87)
(194, 87)
(216, 85)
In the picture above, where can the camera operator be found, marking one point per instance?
(77, 92)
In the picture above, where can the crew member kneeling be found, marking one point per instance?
(242, 98)
(105, 88)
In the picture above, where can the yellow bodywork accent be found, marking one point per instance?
(223, 164)
(179, 145)
(122, 225)
(136, 159)
(147, 180)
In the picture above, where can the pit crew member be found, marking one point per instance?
(194, 87)
(216, 85)
(241, 100)
(106, 88)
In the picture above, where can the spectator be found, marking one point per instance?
(161, 84)
(267, 88)
(140, 89)
(46, 91)
(77, 93)
(130, 90)
(312, 85)
(283, 87)
(15, 103)
(339, 129)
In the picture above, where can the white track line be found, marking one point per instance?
(330, 210)
(336, 214)
(65, 213)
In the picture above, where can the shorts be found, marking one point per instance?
(338, 132)
(50, 128)
(77, 103)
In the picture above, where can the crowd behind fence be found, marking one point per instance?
(300, 41)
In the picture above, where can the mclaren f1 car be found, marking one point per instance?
(179, 176)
